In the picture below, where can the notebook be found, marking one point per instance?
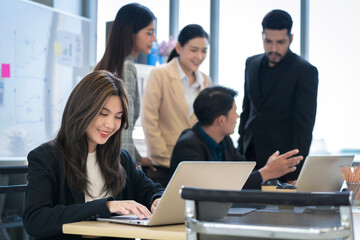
(322, 173)
(210, 175)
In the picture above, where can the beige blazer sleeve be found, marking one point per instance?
(151, 101)
(164, 112)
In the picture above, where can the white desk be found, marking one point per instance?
(105, 229)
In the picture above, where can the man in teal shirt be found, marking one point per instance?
(208, 140)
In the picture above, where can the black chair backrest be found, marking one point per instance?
(272, 198)
(6, 170)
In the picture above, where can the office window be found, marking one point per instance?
(107, 10)
(77, 7)
(198, 12)
(334, 41)
(240, 37)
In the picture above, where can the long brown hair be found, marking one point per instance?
(129, 20)
(83, 106)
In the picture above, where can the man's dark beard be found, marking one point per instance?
(269, 53)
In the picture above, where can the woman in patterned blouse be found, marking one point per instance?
(132, 32)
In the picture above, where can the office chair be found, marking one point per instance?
(14, 220)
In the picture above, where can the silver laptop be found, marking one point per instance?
(210, 175)
(322, 173)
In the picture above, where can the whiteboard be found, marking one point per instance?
(43, 55)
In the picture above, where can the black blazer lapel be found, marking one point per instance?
(253, 81)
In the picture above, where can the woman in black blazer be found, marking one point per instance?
(83, 173)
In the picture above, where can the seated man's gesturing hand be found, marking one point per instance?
(279, 165)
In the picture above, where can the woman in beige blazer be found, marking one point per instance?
(168, 98)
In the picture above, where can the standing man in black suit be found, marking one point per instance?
(280, 97)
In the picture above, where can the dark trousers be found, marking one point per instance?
(250, 154)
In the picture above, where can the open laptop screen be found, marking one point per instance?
(203, 174)
(322, 173)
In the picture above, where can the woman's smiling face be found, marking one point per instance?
(106, 123)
